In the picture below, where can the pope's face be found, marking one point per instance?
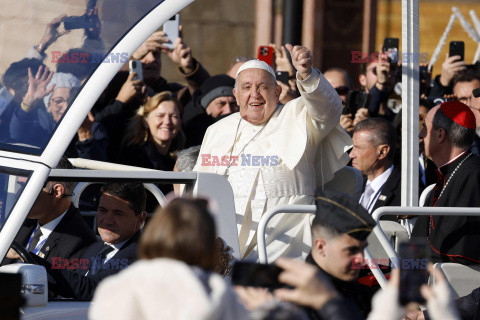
(257, 94)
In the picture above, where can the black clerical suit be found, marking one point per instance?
(357, 297)
(68, 240)
(80, 281)
(454, 239)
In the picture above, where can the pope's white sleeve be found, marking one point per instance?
(320, 98)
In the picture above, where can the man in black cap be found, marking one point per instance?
(339, 236)
(211, 102)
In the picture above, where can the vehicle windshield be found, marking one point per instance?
(49, 50)
(11, 187)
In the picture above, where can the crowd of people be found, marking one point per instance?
(276, 143)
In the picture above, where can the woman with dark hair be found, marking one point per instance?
(154, 134)
(175, 278)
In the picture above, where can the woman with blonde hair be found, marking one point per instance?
(154, 134)
(175, 278)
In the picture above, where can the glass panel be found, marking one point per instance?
(71, 39)
(11, 187)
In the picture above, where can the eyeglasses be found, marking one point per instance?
(58, 101)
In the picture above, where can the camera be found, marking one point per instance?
(263, 51)
(79, 22)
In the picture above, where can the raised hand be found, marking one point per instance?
(154, 43)
(37, 85)
(281, 60)
(181, 54)
(301, 59)
(130, 89)
(310, 288)
(51, 33)
(450, 67)
(287, 93)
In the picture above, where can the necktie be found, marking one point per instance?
(367, 194)
(35, 239)
(99, 261)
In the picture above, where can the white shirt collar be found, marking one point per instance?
(47, 228)
(379, 181)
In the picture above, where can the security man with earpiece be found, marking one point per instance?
(54, 227)
(373, 151)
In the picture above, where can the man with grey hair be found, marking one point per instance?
(274, 155)
(448, 134)
(373, 151)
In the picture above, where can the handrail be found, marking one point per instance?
(292, 208)
(417, 211)
(377, 214)
(156, 192)
(262, 225)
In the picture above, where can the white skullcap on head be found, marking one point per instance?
(257, 64)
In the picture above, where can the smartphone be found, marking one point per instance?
(266, 53)
(249, 274)
(172, 30)
(457, 48)
(390, 46)
(413, 271)
(136, 66)
(282, 76)
(355, 100)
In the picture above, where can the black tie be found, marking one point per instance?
(100, 259)
(34, 242)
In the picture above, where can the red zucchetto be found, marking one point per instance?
(459, 113)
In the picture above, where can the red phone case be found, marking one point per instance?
(265, 53)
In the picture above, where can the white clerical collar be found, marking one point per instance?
(47, 228)
(461, 154)
(379, 181)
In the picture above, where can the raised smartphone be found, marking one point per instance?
(136, 66)
(172, 30)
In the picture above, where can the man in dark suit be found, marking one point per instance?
(372, 154)
(54, 227)
(121, 214)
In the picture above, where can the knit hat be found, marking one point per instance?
(217, 86)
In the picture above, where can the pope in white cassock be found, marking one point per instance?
(275, 155)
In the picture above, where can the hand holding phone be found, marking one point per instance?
(172, 30)
(390, 46)
(266, 53)
(457, 48)
(282, 76)
(249, 274)
(136, 66)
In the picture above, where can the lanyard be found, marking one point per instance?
(39, 245)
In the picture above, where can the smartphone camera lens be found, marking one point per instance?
(264, 51)
(134, 64)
